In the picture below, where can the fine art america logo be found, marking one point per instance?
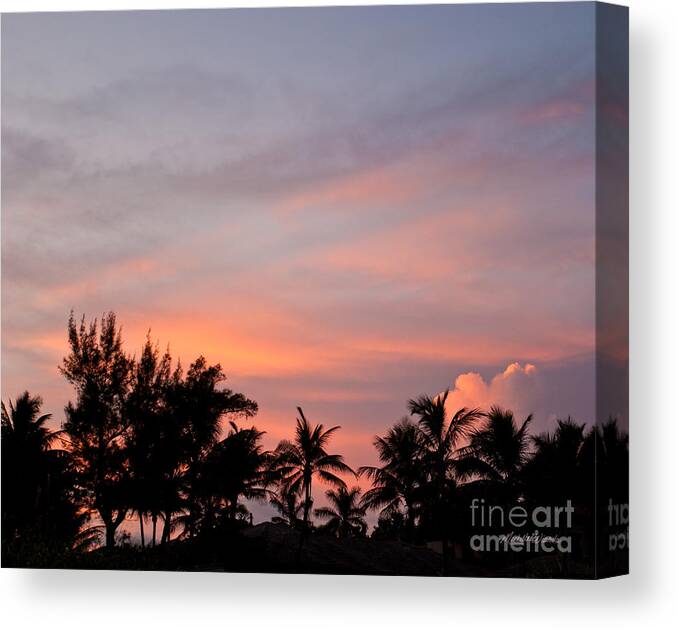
(618, 524)
(527, 525)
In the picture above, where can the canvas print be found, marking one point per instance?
(329, 290)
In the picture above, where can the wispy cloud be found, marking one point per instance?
(350, 213)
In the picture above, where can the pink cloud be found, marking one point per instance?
(390, 186)
(550, 112)
(518, 387)
(569, 105)
(546, 391)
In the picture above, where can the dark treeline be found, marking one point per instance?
(164, 445)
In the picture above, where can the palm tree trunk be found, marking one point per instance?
(141, 529)
(409, 522)
(167, 523)
(442, 523)
(307, 504)
(446, 553)
(110, 534)
(307, 508)
(154, 519)
(110, 526)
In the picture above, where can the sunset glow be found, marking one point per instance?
(344, 212)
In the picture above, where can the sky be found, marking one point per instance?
(344, 207)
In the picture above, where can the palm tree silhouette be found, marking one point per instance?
(440, 437)
(555, 469)
(564, 462)
(289, 506)
(304, 458)
(497, 452)
(199, 405)
(396, 483)
(613, 456)
(238, 466)
(25, 443)
(172, 499)
(24, 428)
(345, 516)
(39, 496)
